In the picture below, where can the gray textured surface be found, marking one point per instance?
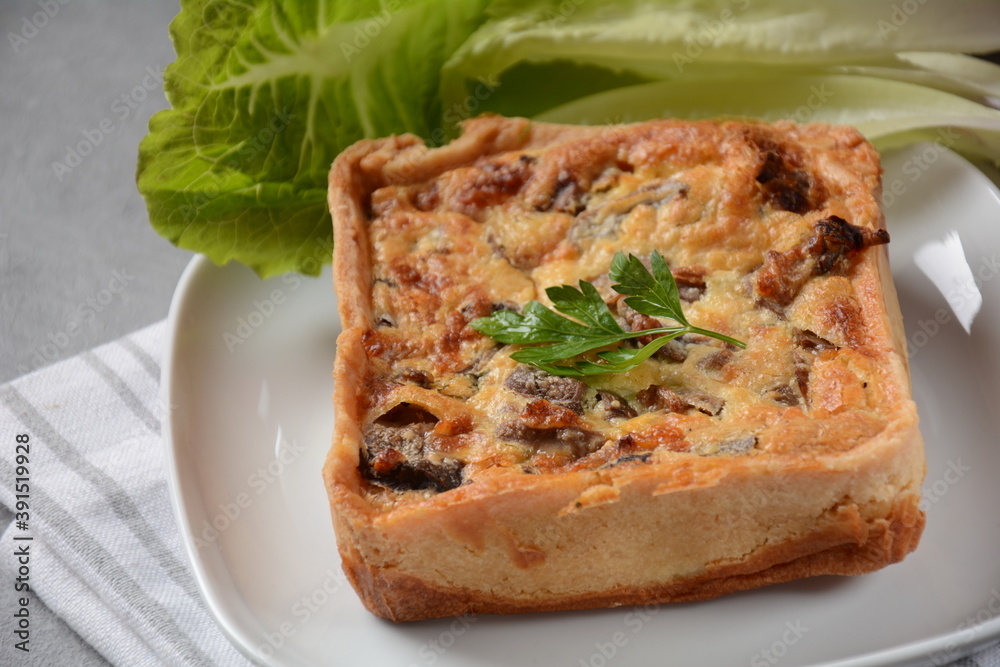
(64, 236)
(79, 263)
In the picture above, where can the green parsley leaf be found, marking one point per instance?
(653, 294)
(560, 338)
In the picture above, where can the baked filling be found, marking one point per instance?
(763, 227)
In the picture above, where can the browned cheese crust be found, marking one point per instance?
(463, 482)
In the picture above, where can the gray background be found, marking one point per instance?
(76, 242)
(63, 239)
(63, 236)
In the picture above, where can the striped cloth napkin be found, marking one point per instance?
(105, 552)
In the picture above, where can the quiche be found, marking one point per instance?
(461, 481)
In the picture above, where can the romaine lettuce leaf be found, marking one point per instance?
(264, 95)
(671, 39)
(861, 62)
(889, 113)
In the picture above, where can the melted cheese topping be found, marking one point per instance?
(714, 202)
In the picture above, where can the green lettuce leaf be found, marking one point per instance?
(885, 67)
(887, 112)
(265, 93)
(673, 39)
(264, 96)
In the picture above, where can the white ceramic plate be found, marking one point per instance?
(249, 378)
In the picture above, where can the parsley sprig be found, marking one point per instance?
(560, 338)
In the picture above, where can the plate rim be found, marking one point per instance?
(197, 267)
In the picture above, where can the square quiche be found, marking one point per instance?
(461, 481)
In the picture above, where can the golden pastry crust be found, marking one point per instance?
(461, 481)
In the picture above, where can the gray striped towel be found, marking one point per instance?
(106, 554)
(105, 551)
